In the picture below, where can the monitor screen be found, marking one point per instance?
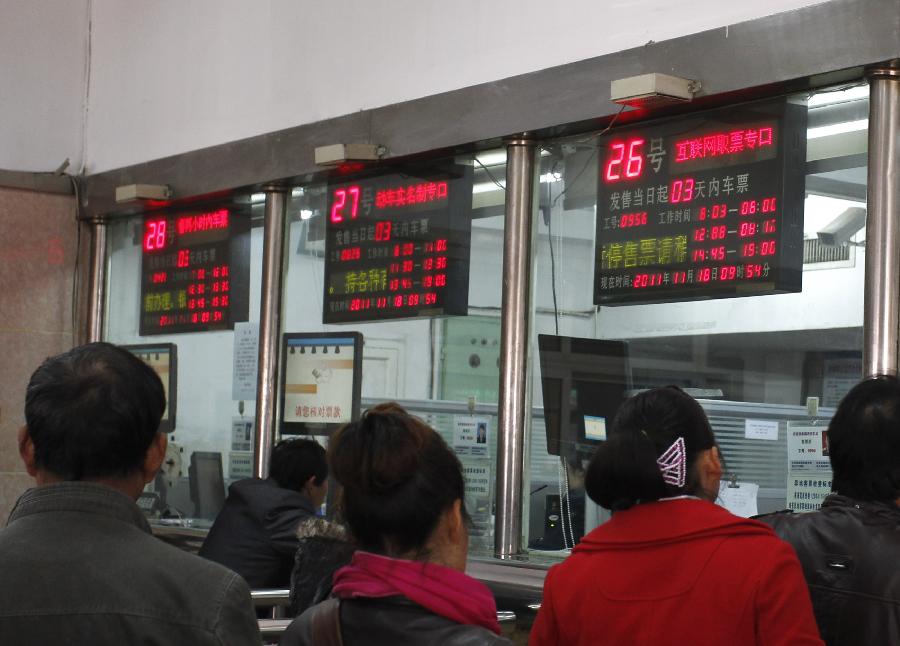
(163, 358)
(594, 428)
(207, 483)
(584, 381)
(321, 381)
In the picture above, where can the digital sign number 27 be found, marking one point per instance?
(338, 209)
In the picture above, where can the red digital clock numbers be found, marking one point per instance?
(626, 160)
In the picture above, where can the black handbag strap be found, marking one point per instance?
(326, 623)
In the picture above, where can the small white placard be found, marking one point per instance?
(739, 500)
(471, 436)
(761, 429)
(242, 433)
(246, 355)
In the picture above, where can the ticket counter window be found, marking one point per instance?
(183, 295)
(368, 254)
(768, 356)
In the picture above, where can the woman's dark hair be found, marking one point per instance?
(93, 412)
(294, 462)
(864, 441)
(623, 471)
(398, 478)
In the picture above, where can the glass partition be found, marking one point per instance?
(760, 365)
(211, 440)
(443, 369)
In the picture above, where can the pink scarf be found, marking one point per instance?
(442, 590)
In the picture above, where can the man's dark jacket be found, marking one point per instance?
(255, 533)
(850, 552)
(78, 565)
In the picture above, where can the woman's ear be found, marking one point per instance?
(709, 467)
(456, 526)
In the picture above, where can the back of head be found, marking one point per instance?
(624, 469)
(92, 412)
(398, 478)
(295, 461)
(864, 441)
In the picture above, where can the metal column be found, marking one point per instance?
(269, 326)
(514, 340)
(881, 319)
(97, 292)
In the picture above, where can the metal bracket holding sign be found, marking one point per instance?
(321, 381)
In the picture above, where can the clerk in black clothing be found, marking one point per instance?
(255, 533)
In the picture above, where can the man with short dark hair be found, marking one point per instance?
(78, 563)
(255, 533)
(850, 548)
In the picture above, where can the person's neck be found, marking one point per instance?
(435, 555)
(130, 486)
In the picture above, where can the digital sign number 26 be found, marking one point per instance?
(625, 160)
(340, 203)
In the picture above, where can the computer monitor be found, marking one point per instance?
(321, 380)
(207, 483)
(584, 381)
(163, 358)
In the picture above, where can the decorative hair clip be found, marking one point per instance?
(673, 463)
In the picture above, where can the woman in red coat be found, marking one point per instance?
(671, 567)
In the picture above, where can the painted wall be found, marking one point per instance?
(167, 77)
(42, 66)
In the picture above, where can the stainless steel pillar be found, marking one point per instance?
(274, 238)
(97, 289)
(881, 320)
(514, 339)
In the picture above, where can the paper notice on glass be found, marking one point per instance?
(740, 500)
(471, 435)
(809, 469)
(246, 356)
(761, 429)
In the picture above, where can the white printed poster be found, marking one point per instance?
(739, 498)
(470, 436)
(479, 498)
(809, 469)
(246, 358)
(242, 434)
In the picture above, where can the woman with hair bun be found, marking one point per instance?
(402, 499)
(671, 567)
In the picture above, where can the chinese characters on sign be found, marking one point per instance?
(702, 206)
(398, 247)
(194, 271)
(809, 467)
(321, 381)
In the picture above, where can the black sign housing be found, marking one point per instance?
(708, 205)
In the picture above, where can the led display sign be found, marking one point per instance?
(703, 206)
(194, 271)
(397, 246)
